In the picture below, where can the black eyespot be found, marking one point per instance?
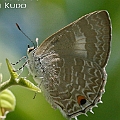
(83, 101)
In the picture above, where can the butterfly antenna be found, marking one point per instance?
(24, 34)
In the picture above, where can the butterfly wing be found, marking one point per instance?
(73, 60)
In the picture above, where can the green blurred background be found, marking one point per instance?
(40, 19)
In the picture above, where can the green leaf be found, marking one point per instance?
(7, 102)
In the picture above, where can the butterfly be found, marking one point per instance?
(69, 66)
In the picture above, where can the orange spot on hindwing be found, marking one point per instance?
(81, 100)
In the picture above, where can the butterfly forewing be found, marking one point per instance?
(72, 63)
(88, 36)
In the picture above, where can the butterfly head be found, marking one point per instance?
(30, 49)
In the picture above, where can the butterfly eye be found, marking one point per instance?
(81, 100)
(30, 49)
